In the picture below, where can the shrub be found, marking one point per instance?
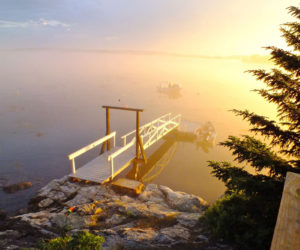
(80, 240)
(230, 219)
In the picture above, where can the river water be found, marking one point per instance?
(50, 106)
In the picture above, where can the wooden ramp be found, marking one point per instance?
(287, 229)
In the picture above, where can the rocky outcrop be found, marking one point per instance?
(16, 187)
(159, 218)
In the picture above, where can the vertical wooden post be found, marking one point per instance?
(137, 153)
(108, 127)
(73, 166)
(107, 132)
(137, 133)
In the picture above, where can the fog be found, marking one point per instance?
(51, 106)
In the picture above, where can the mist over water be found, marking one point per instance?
(50, 106)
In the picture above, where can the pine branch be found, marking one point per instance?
(257, 154)
(239, 180)
(292, 36)
(278, 81)
(288, 140)
(285, 59)
(294, 11)
(287, 110)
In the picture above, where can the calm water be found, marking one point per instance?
(50, 106)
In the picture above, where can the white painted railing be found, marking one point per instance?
(118, 152)
(160, 131)
(89, 147)
(150, 133)
(148, 126)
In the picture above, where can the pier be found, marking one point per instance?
(115, 159)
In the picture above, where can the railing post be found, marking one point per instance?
(124, 141)
(114, 141)
(112, 167)
(73, 166)
(108, 127)
(137, 133)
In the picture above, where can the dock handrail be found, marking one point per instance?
(118, 152)
(175, 120)
(89, 147)
(124, 137)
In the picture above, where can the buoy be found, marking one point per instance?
(70, 210)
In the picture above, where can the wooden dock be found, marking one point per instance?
(110, 163)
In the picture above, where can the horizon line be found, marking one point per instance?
(141, 52)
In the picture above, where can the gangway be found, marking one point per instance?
(112, 162)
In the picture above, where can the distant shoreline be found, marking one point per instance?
(255, 58)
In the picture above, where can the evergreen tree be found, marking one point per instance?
(247, 214)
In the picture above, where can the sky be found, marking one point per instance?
(196, 27)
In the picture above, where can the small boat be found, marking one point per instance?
(167, 86)
(206, 133)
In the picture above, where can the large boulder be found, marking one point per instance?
(152, 193)
(184, 202)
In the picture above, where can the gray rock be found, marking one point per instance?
(188, 219)
(113, 242)
(160, 211)
(12, 247)
(127, 199)
(90, 192)
(52, 185)
(79, 199)
(139, 234)
(174, 233)
(98, 206)
(183, 201)
(120, 228)
(136, 210)
(115, 219)
(69, 188)
(37, 220)
(152, 193)
(202, 238)
(56, 195)
(74, 221)
(45, 203)
(9, 234)
(86, 209)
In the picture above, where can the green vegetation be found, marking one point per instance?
(247, 214)
(80, 240)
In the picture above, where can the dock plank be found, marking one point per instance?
(99, 170)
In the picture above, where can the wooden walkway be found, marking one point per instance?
(109, 164)
(99, 170)
(287, 229)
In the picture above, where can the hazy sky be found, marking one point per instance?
(206, 27)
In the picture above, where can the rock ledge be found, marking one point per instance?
(159, 218)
